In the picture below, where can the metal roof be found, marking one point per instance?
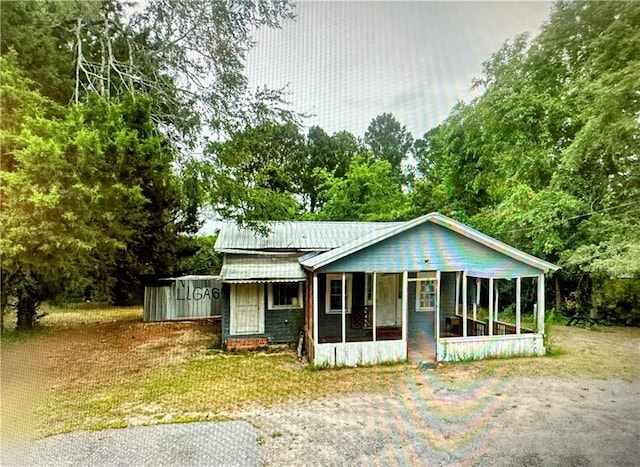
(323, 259)
(297, 236)
(262, 268)
(251, 257)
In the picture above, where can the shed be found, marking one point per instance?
(185, 297)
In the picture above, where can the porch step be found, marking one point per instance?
(246, 343)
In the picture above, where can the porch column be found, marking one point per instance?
(344, 308)
(457, 308)
(437, 323)
(540, 307)
(405, 305)
(496, 303)
(491, 306)
(464, 303)
(375, 306)
(315, 310)
(518, 304)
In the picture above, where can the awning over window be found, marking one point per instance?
(267, 268)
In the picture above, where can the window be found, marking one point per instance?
(285, 295)
(426, 293)
(333, 295)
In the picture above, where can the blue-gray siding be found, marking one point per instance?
(280, 326)
(447, 296)
(330, 324)
(432, 247)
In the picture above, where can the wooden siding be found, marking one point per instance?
(476, 348)
(280, 326)
(420, 322)
(360, 353)
(432, 247)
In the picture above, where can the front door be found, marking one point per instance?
(387, 300)
(247, 309)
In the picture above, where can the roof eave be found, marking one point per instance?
(492, 243)
(329, 257)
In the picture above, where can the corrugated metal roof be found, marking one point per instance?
(375, 237)
(264, 268)
(298, 236)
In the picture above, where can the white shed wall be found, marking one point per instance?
(188, 297)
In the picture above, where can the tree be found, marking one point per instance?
(140, 157)
(456, 172)
(187, 55)
(369, 191)
(390, 141)
(60, 200)
(547, 157)
(36, 31)
(255, 176)
(330, 153)
(144, 82)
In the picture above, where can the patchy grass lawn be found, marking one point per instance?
(91, 367)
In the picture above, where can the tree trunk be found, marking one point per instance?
(595, 299)
(28, 301)
(558, 292)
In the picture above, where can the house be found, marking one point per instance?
(369, 292)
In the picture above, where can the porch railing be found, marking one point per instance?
(480, 328)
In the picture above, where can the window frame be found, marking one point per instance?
(425, 278)
(273, 306)
(348, 289)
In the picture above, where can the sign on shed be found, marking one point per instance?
(186, 297)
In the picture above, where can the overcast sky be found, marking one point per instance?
(347, 62)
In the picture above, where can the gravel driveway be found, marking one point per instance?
(491, 421)
(222, 443)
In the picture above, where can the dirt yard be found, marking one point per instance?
(102, 368)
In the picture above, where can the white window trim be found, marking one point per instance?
(327, 298)
(426, 277)
(284, 307)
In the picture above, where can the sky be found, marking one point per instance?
(347, 62)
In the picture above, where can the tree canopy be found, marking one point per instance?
(103, 112)
(547, 158)
(101, 106)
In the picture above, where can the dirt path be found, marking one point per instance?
(514, 412)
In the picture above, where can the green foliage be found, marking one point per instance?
(390, 141)
(328, 153)
(198, 256)
(60, 200)
(254, 176)
(370, 191)
(546, 158)
(618, 300)
(38, 32)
